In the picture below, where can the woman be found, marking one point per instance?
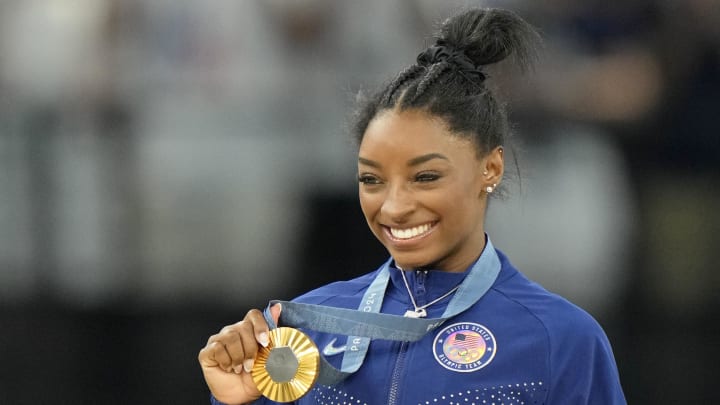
(430, 156)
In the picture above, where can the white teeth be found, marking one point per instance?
(409, 233)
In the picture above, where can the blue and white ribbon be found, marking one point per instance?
(367, 323)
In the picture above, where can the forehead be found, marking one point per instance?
(406, 132)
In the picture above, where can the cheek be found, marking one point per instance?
(368, 204)
(460, 204)
(453, 212)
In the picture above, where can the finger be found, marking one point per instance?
(250, 346)
(230, 339)
(241, 344)
(236, 346)
(206, 357)
(260, 326)
(275, 312)
(215, 355)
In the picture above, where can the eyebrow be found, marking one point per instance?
(412, 162)
(424, 158)
(368, 162)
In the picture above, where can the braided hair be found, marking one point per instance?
(448, 78)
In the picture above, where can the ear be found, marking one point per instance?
(493, 168)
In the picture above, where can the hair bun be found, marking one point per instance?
(487, 36)
(458, 58)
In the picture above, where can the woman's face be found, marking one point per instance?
(422, 191)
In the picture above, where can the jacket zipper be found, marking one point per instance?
(420, 290)
(397, 375)
(398, 370)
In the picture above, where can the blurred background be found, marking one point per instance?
(165, 165)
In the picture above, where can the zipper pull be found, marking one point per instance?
(420, 276)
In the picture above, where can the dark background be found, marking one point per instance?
(167, 165)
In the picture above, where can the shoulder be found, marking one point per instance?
(580, 359)
(339, 293)
(560, 318)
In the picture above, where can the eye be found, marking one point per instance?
(368, 179)
(425, 177)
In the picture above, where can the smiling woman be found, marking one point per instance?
(452, 320)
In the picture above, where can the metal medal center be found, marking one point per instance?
(282, 364)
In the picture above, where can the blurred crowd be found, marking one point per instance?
(167, 164)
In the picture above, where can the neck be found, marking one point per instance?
(456, 261)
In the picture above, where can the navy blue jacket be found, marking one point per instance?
(519, 344)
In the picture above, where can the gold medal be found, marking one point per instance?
(286, 369)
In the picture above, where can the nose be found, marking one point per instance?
(398, 203)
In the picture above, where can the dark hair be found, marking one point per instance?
(448, 79)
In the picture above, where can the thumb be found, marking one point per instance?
(275, 312)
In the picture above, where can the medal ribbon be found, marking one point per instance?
(366, 323)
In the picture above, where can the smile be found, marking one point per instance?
(410, 233)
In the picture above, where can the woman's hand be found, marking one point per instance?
(228, 357)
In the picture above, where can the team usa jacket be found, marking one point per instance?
(519, 344)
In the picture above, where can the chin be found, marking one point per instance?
(407, 262)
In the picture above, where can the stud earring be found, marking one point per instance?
(485, 173)
(489, 189)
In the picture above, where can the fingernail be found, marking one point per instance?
(248, 365)
(264, 339)
(238, 369)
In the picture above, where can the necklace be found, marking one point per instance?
(420, 312)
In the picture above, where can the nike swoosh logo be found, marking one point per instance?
(330, 349)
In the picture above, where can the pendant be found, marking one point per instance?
(418, 313)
